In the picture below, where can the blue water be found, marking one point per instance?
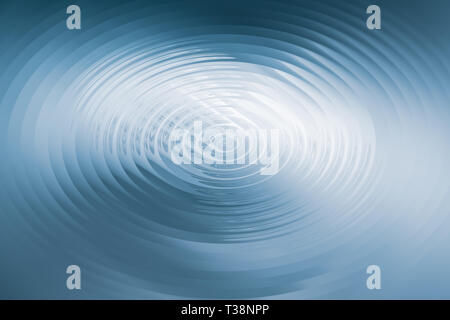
(87, 178)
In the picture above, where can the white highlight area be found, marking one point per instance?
(135, 103)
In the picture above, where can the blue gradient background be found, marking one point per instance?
(86, 178)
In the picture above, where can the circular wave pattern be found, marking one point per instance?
(89, 147)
